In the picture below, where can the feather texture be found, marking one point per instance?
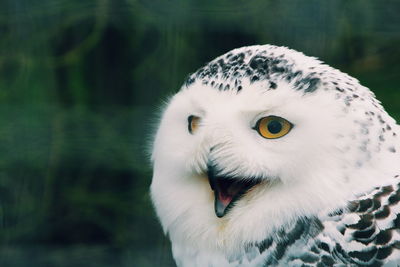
(323, 193)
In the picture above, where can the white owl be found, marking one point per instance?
(267, 157)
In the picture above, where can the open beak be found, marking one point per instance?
(228, 190)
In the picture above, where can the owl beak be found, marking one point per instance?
(227, 191)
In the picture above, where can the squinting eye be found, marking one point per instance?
(193, 123)
(273, 127)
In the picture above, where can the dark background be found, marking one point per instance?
(80, 86)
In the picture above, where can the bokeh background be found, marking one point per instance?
(80, 86)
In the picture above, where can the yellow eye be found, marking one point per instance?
(193, 123)
(273, 127)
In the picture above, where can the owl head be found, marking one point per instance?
(259, 136)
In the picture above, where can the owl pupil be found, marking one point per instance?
(274, 127)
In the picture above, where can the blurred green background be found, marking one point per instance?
(80, 86)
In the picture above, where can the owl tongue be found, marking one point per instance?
(227, 192)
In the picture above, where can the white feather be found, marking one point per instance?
(318, 167)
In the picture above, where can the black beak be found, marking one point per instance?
(227, 190)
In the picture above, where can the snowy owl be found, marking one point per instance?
(268, 157)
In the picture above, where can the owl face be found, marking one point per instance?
(232, 163)
(237, 141)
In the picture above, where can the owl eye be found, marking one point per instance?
(273, 127)
(193, 123)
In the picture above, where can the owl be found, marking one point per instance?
(268, 157)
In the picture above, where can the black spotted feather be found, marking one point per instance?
(365, 233)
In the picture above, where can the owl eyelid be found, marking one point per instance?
(262, 116)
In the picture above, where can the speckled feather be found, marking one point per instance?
(339, 205)
(271, 64)
(365, 233)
